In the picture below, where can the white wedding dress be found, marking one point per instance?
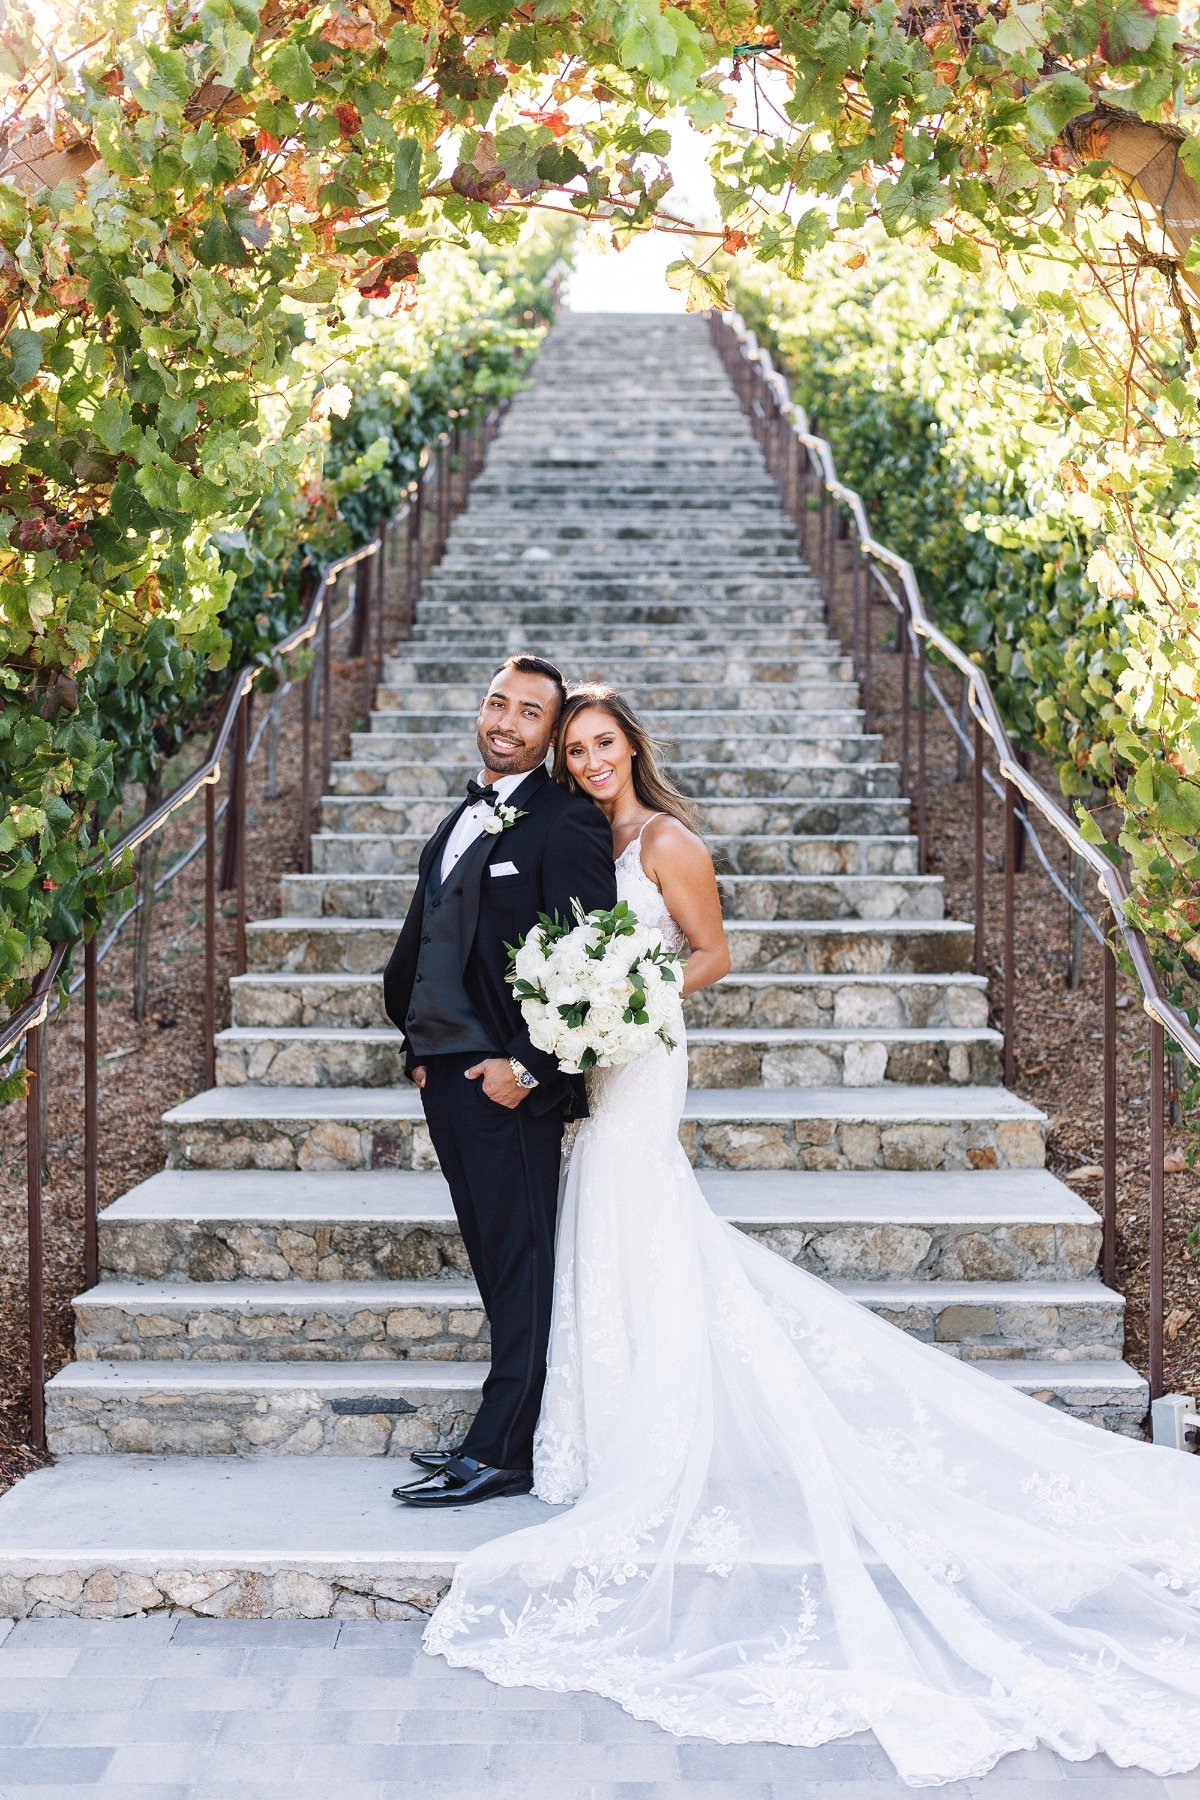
(793, 1522)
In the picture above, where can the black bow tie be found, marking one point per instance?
(478, 791)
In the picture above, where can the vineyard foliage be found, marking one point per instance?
(940, 415)
(368, 388)
(186, 188)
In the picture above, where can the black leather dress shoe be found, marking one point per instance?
(431, 1459)
(463, 1482)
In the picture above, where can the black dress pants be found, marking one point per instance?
(502, 1166)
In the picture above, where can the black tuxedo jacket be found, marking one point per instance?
(562, 849)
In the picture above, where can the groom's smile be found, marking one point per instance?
(516, 721)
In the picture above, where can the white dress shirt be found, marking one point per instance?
(470, 825)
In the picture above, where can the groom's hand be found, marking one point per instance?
(418, 1075)
(499, 1082)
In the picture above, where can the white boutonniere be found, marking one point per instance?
(500, 818)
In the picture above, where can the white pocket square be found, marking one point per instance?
(504, 868)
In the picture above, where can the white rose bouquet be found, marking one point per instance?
(602, 991)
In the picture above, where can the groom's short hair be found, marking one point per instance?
(525, 664)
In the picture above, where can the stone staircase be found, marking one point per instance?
(292, 1289)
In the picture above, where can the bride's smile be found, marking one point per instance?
(600, 757)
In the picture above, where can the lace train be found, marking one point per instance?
(792, 1522)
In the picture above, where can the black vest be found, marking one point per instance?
(441, 1020)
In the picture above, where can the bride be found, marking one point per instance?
(790, 1520)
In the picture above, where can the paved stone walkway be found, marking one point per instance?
(172, 1706)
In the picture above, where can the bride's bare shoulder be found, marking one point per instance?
(671, 848)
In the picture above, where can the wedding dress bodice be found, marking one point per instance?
(636, 887)
(793, 1522)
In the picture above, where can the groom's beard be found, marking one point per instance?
(509, 762)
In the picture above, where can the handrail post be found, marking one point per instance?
(91, 1119)
(306, 709)
(802, 515)
(1010, 933)
(1109, 1231)
(326, 689)
(414, 541)
(462, 463)
(921, 834)
(978, 796)
(856, 623)
(1157, 1196)
(905, 683)
(210, 934)
(36, 1253)
(828, 525)
(443, 493)
(362, 628)
(241, 755)
(381, 574)
(867, 646)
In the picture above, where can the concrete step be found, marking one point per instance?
(344, 1322)
(500, 533)
(915, 1002)
(310, 1537)
(718, 1057)
(214, 1225)
(752, 551)
(799, 782)
(787, 947)
(297, 1409)
(367, 853)
(680, 674)
(628, 493)
(408, 743)
(540, 601)
(681, 708)
(698, 644)
(720, 815)
(723, 1128)
(742, 896)
(357, 946)
(682, 727)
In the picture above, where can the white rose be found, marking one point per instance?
(530, 962)
(609, 975)
(605, 1015)
(570, 955)
(542, 1035)
(569, 1049)
(492, 825)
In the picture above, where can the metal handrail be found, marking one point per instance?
(794, 454)
(37, 1008)
(447, 464)
(981, 700)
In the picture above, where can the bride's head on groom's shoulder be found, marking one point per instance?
(604, 752)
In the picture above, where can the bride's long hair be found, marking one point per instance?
(653, 787)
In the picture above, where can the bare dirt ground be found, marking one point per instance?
(144, 1069)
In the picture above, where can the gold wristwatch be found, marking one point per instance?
(521, 1074)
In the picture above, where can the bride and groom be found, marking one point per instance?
(789, 1521)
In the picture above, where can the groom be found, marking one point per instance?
(516, 846)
